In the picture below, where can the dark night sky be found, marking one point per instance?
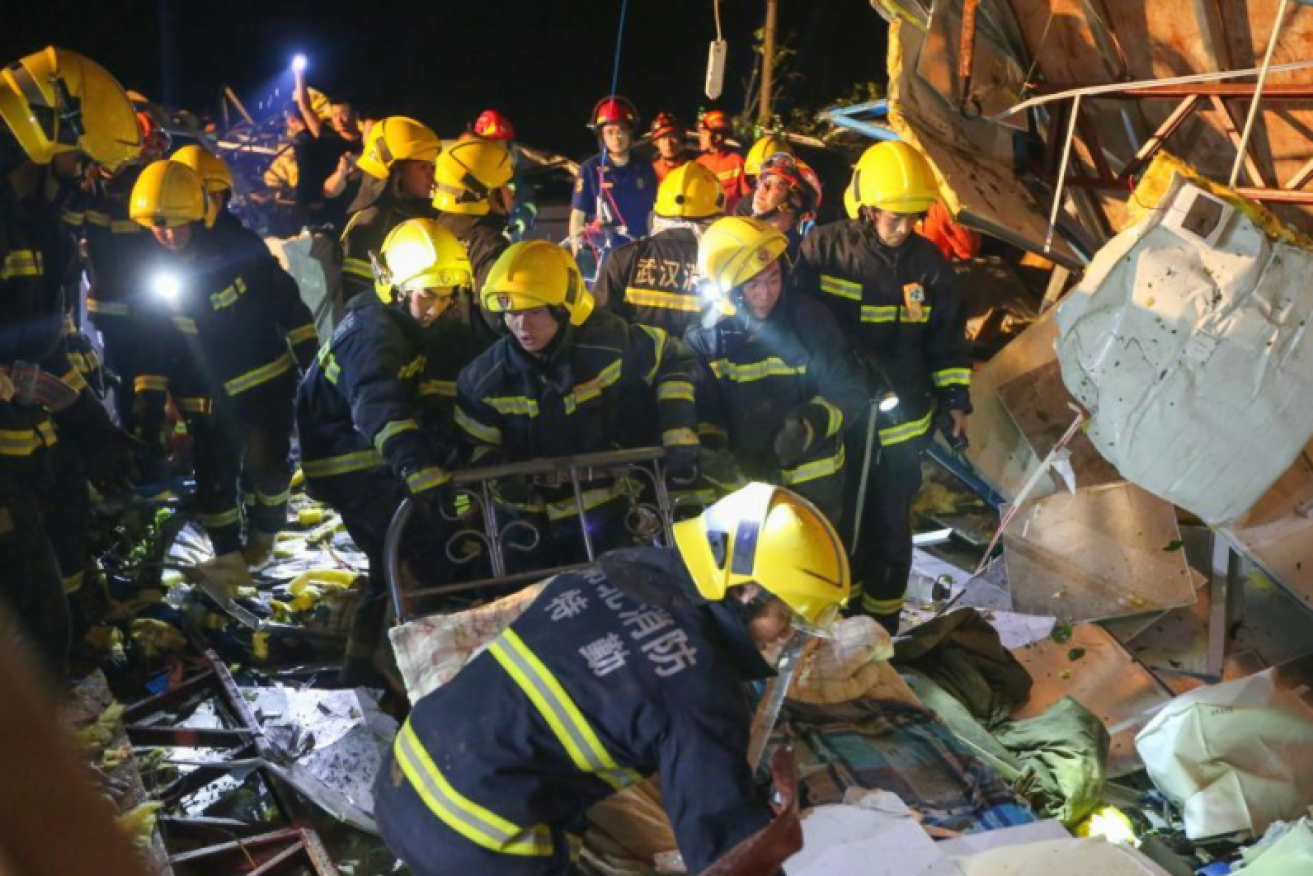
(543, 63)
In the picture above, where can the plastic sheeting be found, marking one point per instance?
(1072, 857)
(1186, 340)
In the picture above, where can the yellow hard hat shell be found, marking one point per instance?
(763, 149)
(467, 172)
(850, 205)
(772, 537)
(394, 139)
(896, 177)
(58, 101)
(734, 250)
(536, 273)
(690, 191)
(212, 169)
(168, 194)
(420, 255)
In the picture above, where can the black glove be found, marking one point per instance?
(514, 489)
(437, 499)
(944, 423)
(721, 471)
(682, 464)
(111, 462)
(795, 438)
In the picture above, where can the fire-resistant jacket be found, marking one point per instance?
(653, 281)
(611, 674)
(601, 386)
(376, 211)
(751, 379)
(357, 408)
(115, 246)
(902, 310)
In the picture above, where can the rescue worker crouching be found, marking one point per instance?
(398, 183)
(59, 110)
(653, 281)
(568, 380)
(364, 449)
(778, 383)
(241, 335)
(898, 299)
(635, 665)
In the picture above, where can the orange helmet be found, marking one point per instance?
(804, 185)
(492, 125)
(613, 110)
(666, 125)
(155, 141)
(715, 120)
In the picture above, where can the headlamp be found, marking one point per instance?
(166, 286)
(298, 63)
(888, 402)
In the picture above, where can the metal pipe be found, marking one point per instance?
(1242, 148)
(767, 63)
(582, 511)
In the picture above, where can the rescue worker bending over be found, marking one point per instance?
(244, 336)
(634, 665)
(787, 196)
(778, 382)
(568, 381)
(764, 148)
(653, 281)
(612, 190)
(898, 299)
(496, 128)
(667, 136)
(717, 157)
(59, 110)
(362, 445)
(398, 163)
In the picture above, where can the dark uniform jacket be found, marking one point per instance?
(653, 281)
(115, 245)
(373, 215)
(484, 239)
(902, 310)
(602, 385)
(357, 408)
(614, 672)
(797, 362)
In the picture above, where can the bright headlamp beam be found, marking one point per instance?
(298, 62)
(167, 287)
(888, 402)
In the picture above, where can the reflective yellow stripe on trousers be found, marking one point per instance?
(477, 824)
(572, 730)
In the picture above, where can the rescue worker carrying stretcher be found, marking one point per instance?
(569, 380)
(654, 281)
(398, 183)
(244, 337)
(364, 447)
(633, 666)
(778, 384)
(60, 111)
(898, 299)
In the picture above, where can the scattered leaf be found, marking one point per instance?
(1173, 545)
(1061, 633)
(1075, 654)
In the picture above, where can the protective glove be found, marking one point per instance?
(111, 461)
(796, 437)
(945, 423)
(514, 489)
(721, 471)
(682, 464)
(434, 496)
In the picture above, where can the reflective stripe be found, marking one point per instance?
(659, 339)
(358, 267)
(20, 442)
(835, 421)
(907, 431)
(591, 389)
(96, 217)
(72, 217)
(882, 606)
(641, 297)
(748, 372)
(196, 405)
(229, 295)
(426, 479)
(414, 367)
(881, 313)
(328, 364)
(444, 388)
(594, 498)
(301, 335)
(344, 464)
(486, 434)
(712, 429)
(73, 583)
(231, 517)
(840, 287)
(115, 226)
(513, 405)
(75, 379)
(813, 470)
(952, 377)
(263, 374)
(108, 308)
(478, 825)
(572, 730)
(679, 438)
(675, 390)
(392, 430)
(21, 263)
(184, 324)
(271, 500)
(150, 383)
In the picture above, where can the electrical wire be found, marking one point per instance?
(716, 5)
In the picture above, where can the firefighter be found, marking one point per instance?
(653, 281)
(398, 163)
(634, 665)
(787, 196)
(612, 190)
(713, 129)
(764, 148)
(569, 380)
(243, 335)
(778, 382)
(365, 446)
(60, 110)
(667, 136)
(472, 194)
(495, 127)
(217, 179)
(898, 299)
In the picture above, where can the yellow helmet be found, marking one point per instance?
(394, 139)
(466, 173)
(734, 250)
(690, 191)
(58, 101)
(212, 169)
(774, 538)
(763, 149)
(850, 205)
(419, 255)
(535, 273)
(168, 194)
(896, 177)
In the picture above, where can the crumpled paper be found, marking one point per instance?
(1235, 756)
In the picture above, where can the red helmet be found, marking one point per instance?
(614, 110)
(666, 125)
(715, 120)
(492, 125)
(802, 180)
